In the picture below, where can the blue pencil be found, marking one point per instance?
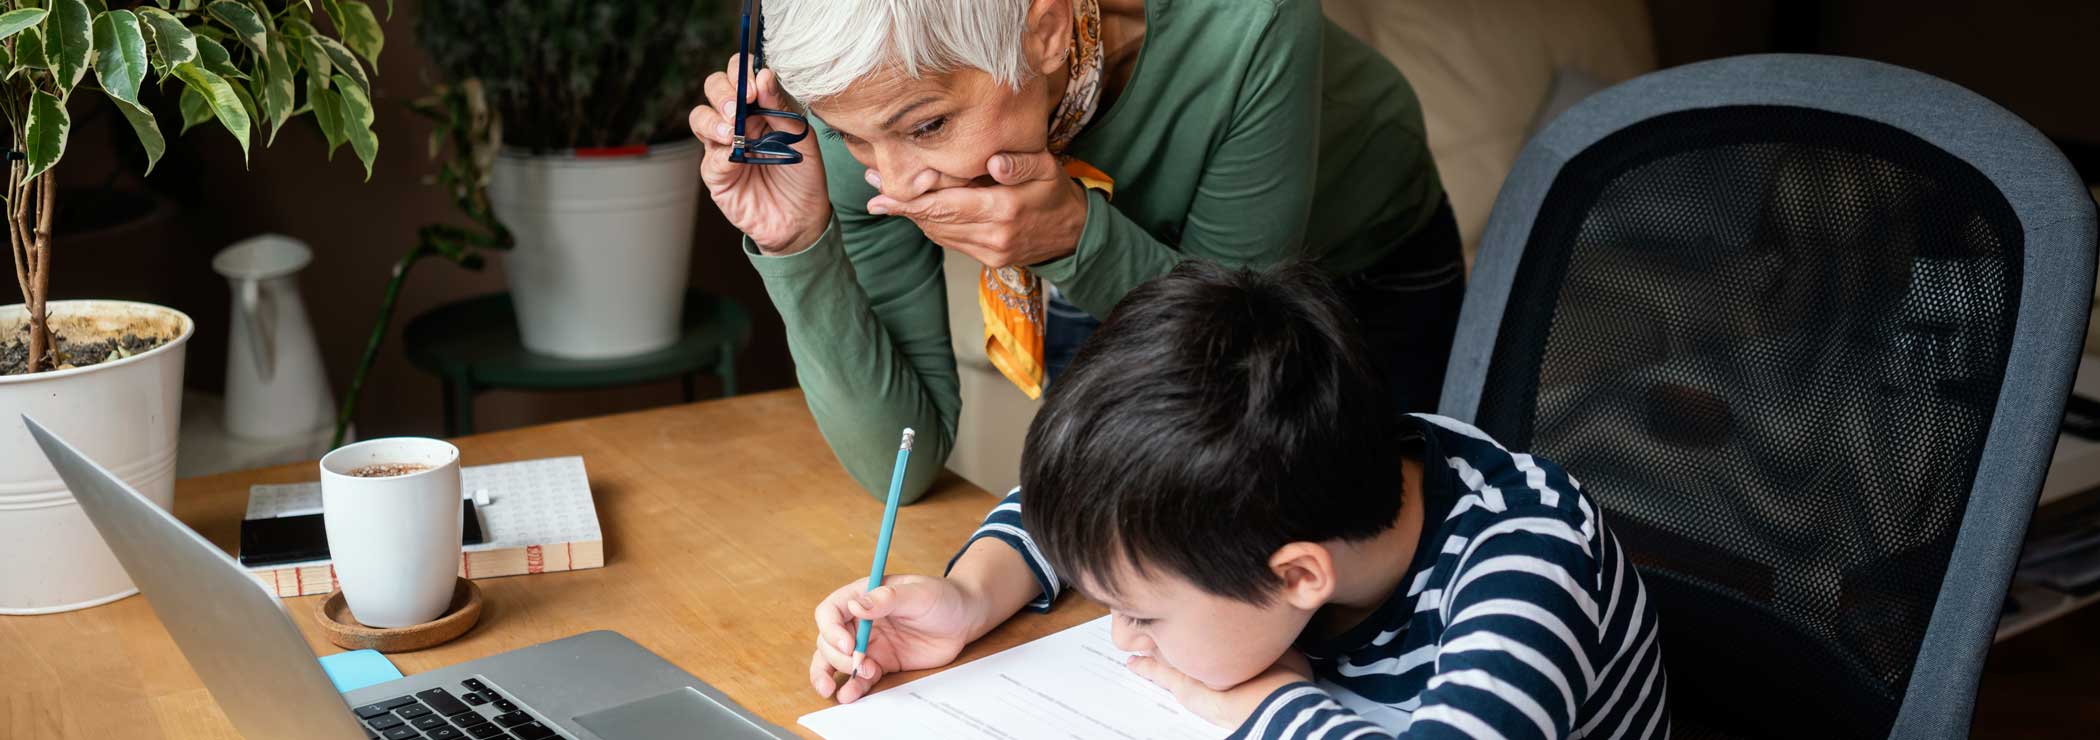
(882, 545)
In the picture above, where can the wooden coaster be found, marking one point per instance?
(333, 613)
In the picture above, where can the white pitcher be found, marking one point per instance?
(275, 384)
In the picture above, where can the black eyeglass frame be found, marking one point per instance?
(776, 146)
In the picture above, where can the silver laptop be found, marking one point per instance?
(593, 686)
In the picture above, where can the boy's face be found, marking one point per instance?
(1215, 640)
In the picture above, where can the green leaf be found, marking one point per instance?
(29, 52)
(195, 109)
(12, 22)
(262, 10)
(225, 104)
(360, 30)
(328, 112)
(318, 65)
(71, 39)
(246, 25)
(357, 123)
(344, 62)
(216, 58)
(247, 102)
(121, 63)
(275, 86)
(299, 28)
(97, 6)
(173, 43)
(147, 129)
(46, 134)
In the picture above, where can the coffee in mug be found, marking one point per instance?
(387, 470)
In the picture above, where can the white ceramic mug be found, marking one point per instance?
(395, 540)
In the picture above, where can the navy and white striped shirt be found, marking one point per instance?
(1521, 617)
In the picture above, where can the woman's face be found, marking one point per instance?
(936, 132)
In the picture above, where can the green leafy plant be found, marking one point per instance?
(463, 142)
(251, 65)
(566, 74)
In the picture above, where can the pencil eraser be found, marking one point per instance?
(481, 497)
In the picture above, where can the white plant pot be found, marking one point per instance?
(122, 414)
(599, 269)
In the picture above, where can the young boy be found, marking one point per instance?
(1221, 468)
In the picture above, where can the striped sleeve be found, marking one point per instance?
(1304, 710)
(1004, 525)
(1514, 659)
(1517, 656)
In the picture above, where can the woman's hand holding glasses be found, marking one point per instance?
(784, 209)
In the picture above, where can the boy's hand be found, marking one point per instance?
(920, 622)
(1229, 708)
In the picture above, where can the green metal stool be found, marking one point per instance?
(473, 346)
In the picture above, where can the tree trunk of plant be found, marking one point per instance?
(31, 202)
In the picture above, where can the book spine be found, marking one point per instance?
(316, 579)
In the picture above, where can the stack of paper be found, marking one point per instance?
(1072, 684)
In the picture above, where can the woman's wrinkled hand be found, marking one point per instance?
(783, 208)
(1032, 214)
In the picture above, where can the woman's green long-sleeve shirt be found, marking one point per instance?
(1252, 132)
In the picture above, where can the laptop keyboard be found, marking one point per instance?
(475, 711)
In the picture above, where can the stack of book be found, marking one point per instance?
(539, 519)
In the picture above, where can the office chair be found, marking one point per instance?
(1804, 325)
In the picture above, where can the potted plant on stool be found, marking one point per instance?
(107, 375)
(598, 179)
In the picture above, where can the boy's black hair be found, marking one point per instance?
(1215, 416)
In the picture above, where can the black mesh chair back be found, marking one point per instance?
(1804, 326)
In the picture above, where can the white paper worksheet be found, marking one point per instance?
(1072, 684)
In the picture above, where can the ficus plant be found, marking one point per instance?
(251, 65)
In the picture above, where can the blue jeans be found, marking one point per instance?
(1065, 327)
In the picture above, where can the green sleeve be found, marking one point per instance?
(866, 311)
(1257, 187)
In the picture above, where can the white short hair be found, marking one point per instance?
(819, 47)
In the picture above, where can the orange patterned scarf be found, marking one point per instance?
(1011, 298)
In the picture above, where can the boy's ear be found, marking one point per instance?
(1049, 37)
(1307, 572)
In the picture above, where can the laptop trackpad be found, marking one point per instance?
(682, 713)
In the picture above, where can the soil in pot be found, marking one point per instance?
(87, 340)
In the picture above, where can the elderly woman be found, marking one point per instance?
(1075, 148)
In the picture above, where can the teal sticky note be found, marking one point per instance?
(357, 669)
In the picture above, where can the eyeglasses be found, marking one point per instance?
(772, 147)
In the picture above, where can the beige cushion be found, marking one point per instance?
(1482, 69)
(995, 414)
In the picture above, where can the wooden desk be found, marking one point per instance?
(725, 523)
